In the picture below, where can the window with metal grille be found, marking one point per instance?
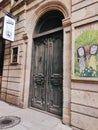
(14, 55)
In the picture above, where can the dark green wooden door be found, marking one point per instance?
(47, 73)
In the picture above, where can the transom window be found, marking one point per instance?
(49, 21)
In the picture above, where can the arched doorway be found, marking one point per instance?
(47, 64)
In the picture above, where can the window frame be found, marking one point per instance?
(12, 62)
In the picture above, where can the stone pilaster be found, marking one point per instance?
(66, 70)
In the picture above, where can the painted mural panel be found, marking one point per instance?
(86, 55)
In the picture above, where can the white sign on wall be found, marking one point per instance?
(8, 28)
(1, 0)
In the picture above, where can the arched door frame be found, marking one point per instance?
(65, 23)
(51, 35)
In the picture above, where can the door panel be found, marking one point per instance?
(55, 76)
(47, 88)
(39, 76)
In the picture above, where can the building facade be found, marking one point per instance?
(50, 64)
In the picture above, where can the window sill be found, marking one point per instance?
(14, 63)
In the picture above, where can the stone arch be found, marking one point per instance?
(49, 6)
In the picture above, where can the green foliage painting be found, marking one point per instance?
(86, 54)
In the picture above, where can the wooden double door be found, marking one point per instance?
(47, 73)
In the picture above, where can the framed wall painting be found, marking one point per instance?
(85, 51)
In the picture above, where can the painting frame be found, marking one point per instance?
(85, 65)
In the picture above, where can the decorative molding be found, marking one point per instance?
(55, 5)
(25, 37)
(66, 22)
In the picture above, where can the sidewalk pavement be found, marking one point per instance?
(31, 119)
